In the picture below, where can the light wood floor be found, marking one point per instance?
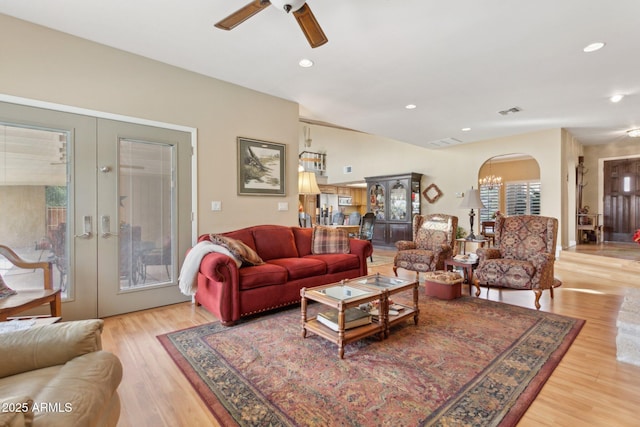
(589, 387)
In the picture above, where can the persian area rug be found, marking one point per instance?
(468, 362)
(379, 260)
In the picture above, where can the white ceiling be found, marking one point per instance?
(459, 61)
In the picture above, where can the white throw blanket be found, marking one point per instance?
(189, 271)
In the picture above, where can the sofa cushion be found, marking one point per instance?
(337, 263)
(303, 240)
(327, 240)
(274, 242)
(262, 275)
(238, 248)
(298, 268)
(244, 234)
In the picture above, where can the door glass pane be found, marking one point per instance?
(34, 204)
(146, 213)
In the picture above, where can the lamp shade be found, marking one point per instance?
(472, 200)
(307, 184)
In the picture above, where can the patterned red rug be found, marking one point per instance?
(468, 362)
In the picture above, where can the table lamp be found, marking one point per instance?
(471, 201)
(307, 186)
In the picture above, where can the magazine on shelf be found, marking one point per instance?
(353, 317)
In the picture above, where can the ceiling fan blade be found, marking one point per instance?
(242, 14)
(310, 26)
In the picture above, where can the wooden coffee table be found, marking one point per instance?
(353, 293)
(340, 296)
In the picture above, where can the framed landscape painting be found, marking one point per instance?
(261, 167)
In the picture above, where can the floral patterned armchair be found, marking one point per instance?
(434, 238)
(523, 255)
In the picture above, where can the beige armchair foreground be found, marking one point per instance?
(57, 375)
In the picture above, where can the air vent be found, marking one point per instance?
(444, 142)
(346, 169)
(510, 111)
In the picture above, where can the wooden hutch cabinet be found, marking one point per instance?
(394, 199)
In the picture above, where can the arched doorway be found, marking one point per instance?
(514, 189)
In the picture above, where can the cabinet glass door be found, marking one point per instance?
(415, 198)
(377, 200)
(398, 201)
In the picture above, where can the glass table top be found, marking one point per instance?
(343, 292)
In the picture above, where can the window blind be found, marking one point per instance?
(523, 198)
(491, 199)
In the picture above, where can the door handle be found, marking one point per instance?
(87, 227)
(105, 227)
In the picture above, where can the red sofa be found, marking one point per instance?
(230, 292)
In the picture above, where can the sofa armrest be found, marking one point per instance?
(487, 253)
(217, 266)
(544, 264)
(16, 411)
(48, 345)
(403, 245)
(441, 254)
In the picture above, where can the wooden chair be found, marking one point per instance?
(489, 231)
(30, 298)
(366, 229)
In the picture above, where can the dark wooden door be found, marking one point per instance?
(621, 199)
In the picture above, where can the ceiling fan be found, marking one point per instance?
(301, 11)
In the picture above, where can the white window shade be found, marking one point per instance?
(523, 198)
(491, 199)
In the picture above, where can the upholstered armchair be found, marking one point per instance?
(434, 238)
(523, 256)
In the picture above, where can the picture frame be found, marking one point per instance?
(261, 168)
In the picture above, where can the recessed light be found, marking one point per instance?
(466, 129)
(305, 63)
(616, 98)
(634, 133)
(411, 106)
(593, 47)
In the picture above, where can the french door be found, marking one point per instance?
(107, 202)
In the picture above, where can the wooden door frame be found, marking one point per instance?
(601, 178)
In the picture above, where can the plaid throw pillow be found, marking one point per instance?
(238, 248)
(5, 291)
(327, 240)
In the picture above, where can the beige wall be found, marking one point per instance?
(45, 65)
(453, 170)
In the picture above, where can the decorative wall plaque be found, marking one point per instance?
(432, 193)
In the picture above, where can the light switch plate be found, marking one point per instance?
(216, 205)
(283, 206)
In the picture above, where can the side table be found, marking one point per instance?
(467, 268)
(462, 244)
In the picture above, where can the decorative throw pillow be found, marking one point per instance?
(327, 240)
(5, 291)
(238, 248)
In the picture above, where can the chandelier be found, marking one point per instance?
(490, 181)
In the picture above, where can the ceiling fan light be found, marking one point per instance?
(634, 133)
(288, 5)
